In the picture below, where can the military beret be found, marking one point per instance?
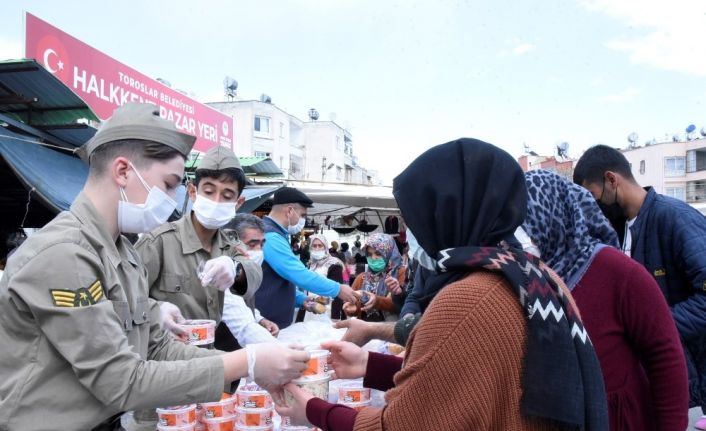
(219, 158)
(138, 121)
(290, 195)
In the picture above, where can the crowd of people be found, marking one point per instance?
(523, 300)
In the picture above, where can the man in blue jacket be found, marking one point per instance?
(664, 234)
(282, 271)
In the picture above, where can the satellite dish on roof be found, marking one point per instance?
(703, 131)
(562, 150)
(264, 98)
(690, 135)
(230, 87)
(632, 138)
(675, 138)
(313, 114)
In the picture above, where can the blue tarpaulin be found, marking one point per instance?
(56, 176)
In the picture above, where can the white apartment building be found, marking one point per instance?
(303, 150)
(676, 169)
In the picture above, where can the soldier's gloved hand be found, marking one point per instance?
(273, 365)
(170, 320)
(219, 272)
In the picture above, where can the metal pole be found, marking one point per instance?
(323, 168)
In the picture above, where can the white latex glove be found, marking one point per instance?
(219, 272)
(170, 320)
(273, 365)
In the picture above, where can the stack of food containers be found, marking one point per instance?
(179, 418)
(254, 409)
(314, 380)
(218, 415)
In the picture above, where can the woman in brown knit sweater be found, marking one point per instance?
(502, 345)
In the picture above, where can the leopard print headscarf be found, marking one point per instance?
(565, 223)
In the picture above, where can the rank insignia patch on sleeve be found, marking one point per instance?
(79, 298)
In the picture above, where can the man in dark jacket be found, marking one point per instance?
(664, 234)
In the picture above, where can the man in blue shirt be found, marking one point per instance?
(282, 271)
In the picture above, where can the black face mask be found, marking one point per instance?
(613, 212)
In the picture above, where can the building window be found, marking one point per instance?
(642, 167)
(262, 154)
(676, 193)
(674, 166)
(338, 143)
(262, 125)
(281, 130)
(691, 161)
(696, 191)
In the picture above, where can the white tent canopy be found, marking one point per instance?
(334, 201)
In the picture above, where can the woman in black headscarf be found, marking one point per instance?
(501, 345)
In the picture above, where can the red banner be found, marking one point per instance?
(104, 84)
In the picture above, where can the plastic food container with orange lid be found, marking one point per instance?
(200, 332)
(353, 392)
(226, 423)
(190, 427)
(177, 416)
(218, 409)
(357, 406)
(254, 417)
(253, 398)
(317, 365)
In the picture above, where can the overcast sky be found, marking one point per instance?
(406, 75)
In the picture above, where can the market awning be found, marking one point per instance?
(263, 166)
(75, 134)
(31, 94)
(36, 174)
(358, 196)
(55, 178)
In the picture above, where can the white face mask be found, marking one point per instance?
(418, 253)
(141, 218)
(256, 256)
(318, 254)
(295, 229)
(527, 244)
(213, 215)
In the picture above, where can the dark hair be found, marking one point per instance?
(596, 161)
(344, 246)
(246, 221)
(140, 152)
(226, 175)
